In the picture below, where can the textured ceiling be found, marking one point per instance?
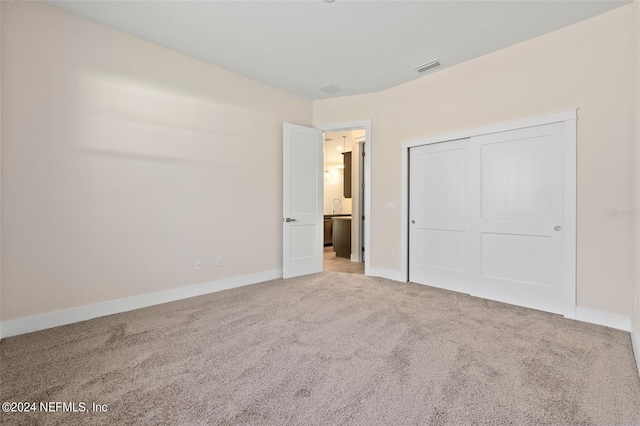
(360, 46)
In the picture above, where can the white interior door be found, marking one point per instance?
(487, 214)
(303, 187)
(439, 215)
(518, 206)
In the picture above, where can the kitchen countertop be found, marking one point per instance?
(330, 216)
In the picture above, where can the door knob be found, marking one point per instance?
(288, 219)
(413, 221)
(558, 228)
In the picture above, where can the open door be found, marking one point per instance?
(303, 211)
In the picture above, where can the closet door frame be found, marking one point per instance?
(569, 118)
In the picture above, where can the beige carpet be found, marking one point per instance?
(327, 349)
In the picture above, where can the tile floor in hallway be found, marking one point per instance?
(339, 264)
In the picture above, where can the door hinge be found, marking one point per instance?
(363, 153)
(362, 217)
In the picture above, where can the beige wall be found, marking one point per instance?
(636, 115)
(123, 161)
(1, 169)
(588, 65)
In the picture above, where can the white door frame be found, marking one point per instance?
(569, 118)
(359, 125)
(357, 200)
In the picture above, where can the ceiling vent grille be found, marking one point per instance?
(331, 89)
(428, 66)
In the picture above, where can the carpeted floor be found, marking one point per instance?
(327, 349)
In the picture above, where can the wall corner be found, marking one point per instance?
(635, 323)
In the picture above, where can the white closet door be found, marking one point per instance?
(439, 215)
(517, 218)
(486, 217)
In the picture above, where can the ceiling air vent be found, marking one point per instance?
(331, 89)
(428, 66)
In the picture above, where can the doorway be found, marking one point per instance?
(343, 200)
(347, 196)
(303, 189)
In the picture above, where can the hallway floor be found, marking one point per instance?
(339, 264)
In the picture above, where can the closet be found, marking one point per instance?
(488, 215)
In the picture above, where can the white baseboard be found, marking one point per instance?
(635, 343)
(82, 313)
(386, 273)
(607, 319)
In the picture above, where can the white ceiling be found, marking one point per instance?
(360, 46)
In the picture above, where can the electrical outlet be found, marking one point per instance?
(219, 261)
(198, 264)
(394, 254)
(391, 205)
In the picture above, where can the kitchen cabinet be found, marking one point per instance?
(328, 237)
(342, 236)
